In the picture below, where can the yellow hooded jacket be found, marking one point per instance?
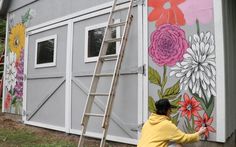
(159, 130)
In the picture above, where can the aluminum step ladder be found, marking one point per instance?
(102, 57)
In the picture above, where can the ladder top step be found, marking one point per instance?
(104, 74)
(99, 94)
(117, 24)
(113, 40)
(94, 114)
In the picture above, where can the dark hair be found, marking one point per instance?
(162, 106)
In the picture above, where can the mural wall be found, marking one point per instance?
(182, 65)
(15, 62)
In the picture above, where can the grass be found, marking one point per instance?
(26, 138)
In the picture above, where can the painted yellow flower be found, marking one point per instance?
(17, 39)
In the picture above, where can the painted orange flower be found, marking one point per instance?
(189, 106)
(7, 101)
(204, 121)
(166, 12)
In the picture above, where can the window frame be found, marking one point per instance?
(50, 64)
(97, 26)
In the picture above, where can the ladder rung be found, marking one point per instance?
(99, 94)
(94, 114)
(113, 56)
(104, 75)
(117, 24)
(119, 9)
(113, 40)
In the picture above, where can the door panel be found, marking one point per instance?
(124, 114)
(45, 97)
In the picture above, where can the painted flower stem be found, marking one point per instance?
(192, 122)
(204, 96)
(164, 80)
(198, 27)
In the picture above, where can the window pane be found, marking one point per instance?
(95, 40)
(45, 51)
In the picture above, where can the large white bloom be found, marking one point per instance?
(198, 69)
(10, 71)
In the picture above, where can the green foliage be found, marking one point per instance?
(172, 92)
(206, 106)
(154, 77)
(2, 33)
(151, 105)
(175, 118)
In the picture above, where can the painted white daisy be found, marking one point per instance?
(198, 69)
(10, 76)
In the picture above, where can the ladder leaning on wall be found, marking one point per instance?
(102, 57)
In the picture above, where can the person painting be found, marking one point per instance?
(159, 131)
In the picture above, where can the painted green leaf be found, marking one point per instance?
(159, 94)
(172, 92)
(210, 107)
(164, 81)
(153, 76)
(201, 102)
(13, 101)
(188, 126)
(175, 118)
(175, 103)
(151, 105)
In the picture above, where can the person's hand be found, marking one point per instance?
(202, 130)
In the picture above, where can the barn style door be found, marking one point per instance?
(45, 77)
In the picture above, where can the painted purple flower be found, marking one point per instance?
(168, 45)
(197, 9)
(19, 76)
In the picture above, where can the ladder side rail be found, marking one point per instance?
(121, 54)
(116, 75)
(94, 81)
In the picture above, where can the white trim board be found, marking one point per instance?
(109, 137)
(43, 125)
(77, 14)
(68, 101)
(220, 73)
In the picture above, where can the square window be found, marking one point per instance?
(46, 51)
(93, 40)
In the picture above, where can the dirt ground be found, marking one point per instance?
(14, 122)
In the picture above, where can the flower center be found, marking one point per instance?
(189, 107)
(204, 124)
(16, 41)
(167, 5)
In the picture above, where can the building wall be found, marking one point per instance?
(230, 60)
(34, 20)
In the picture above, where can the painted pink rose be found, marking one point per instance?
(168, 45)
(197, 9)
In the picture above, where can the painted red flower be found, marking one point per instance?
(204, 122)
(7, 101)
(166, 12)
(189, 106)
